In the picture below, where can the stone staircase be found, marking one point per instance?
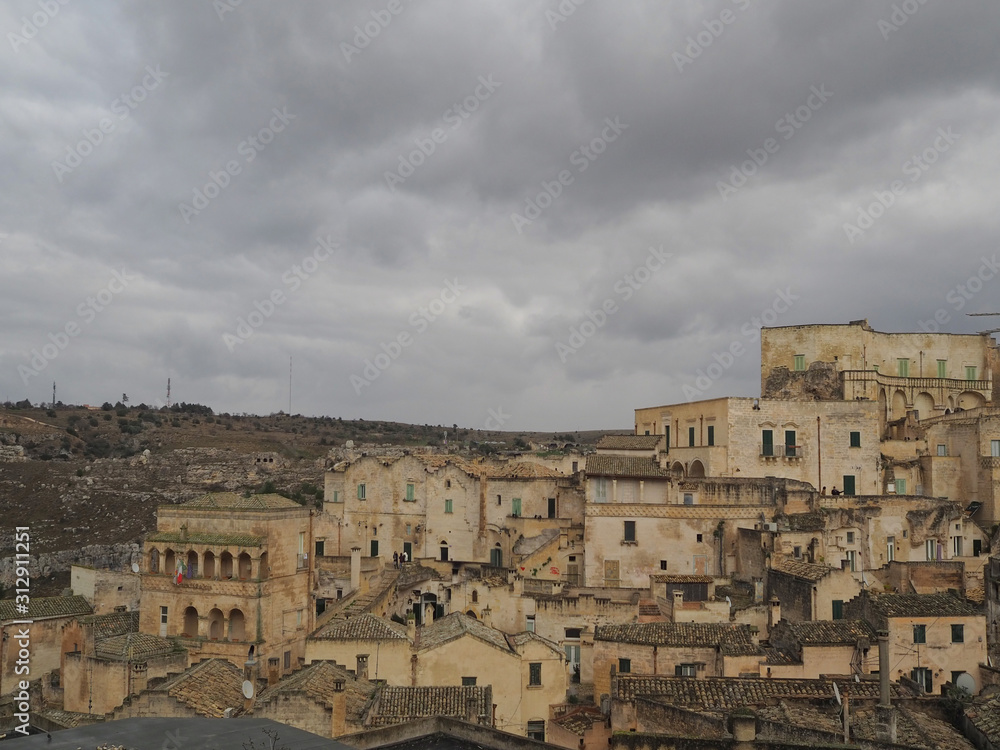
(649, 611)
(380, 587)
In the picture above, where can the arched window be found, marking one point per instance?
(237, 626)
(190, 622)
(169, 563)
(209, 566)
(215, 624)
(245, 566)
(475, 596)
(154, 560)
(192, 564)
(226, 565)
(263, 565)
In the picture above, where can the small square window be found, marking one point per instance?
(942, 449)
(850, 537)
(529, 623)
(855, 439)
(711, 434)
(361, 492)
(410, 490)
(904, 367)
(958, 633)
(698, 538)
(629, 531)
(970, 373)
(797, 553)
(624, 666)
(447, 486)
(448, 507)
(685, 670)
(800, 362)
(663, 564)
(920, 634)
(942, 368)
(535, 673)
(469, 681)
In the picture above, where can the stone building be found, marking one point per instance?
(48, 616)
(933, 638)
(211, 688)
(838, 647)
(380, 648)
(225, 571)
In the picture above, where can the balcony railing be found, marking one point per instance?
(953, 384)
(781, 451)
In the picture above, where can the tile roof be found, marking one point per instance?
(521, 470)
(832, 632)
(316, 682)
(394, 705)
(209, 687)
(456, 625)
(679, 578)
(778, 657)
(364, 627)
(985, 716)
(630, 442)
(43, 607)
(639, 467)
(580, 720)
(133, 647)
(236, 501)
(921, 605)
(194, 537)
(732, 639)
(112, 624)
(799, 569)
(724, 693)
(914, 728)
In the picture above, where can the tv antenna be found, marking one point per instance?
(986, 315)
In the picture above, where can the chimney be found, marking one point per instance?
(743, 723)
(487, 616)
(678, 602)
(472, 709)
(883, 668)
(411, 628)
(355, 568)
(563, 538)
(773, 614)
(847, 718)
(272, 671)
(429, 613)
(338, 722)
(362, 670)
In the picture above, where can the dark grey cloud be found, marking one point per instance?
(699, 88)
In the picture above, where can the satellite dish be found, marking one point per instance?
(966, 682)
(247, 689)
(135, 567)
(836, 694)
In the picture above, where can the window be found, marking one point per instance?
(691, 436)
(904, 367)
(931, 548)
(800, 362)
(711, 434)
(852, 560)
(698, 538)
(688, 498)
(469, 681)
(601, 490)
(629, 531)
(924, 677)
(850, 537)
(838, 609)
(970, 373)
(958, 633)
(288, 660)
(529, 623)
(920, 634)
(797, 553)
(410, 489)
(320, 547)
(900, 486)
(361, 492)
(535, 673)
(624, 666)
(448, 507)
(956, 546)
(995, 448)
(849, 488)
(685, 670)
(942, 449)
(374, 545)
(666, 433)
(663, 564)
(573, 632)
(767, 443)
(515, 506)
(890, 548)
(536, 730)
(790, 443)
(409, 529)
(336, 496)
(855, 439)
(942, 365)
(163, 615)
(447, 486)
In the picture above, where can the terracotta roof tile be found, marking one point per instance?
(236, 501)
(580, 720)
(680, 578)
(831, 632)
(398, 704)
(316, 682)
(799, 569)
(365, 627)
(921, 605)
(725, 693)
(629, 442)
(209, 687)
(644, 467)
(456, 625)
(732, 639)
(228, 540)
(43, 607)
(112, 624)
(133, 647)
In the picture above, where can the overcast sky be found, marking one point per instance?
(525, 212)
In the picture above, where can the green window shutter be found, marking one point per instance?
(849, 488)
(838, 609)
(711, 434)
(691, 436)
(855, 439)
(800, 362)
(515, 506)
(409, 493)
(447, 506)
(790, 443)
(970, 373)
(942, 368)
(666, 431)
(904, 367)
(361, 492)
(900, 486)
(767, 442)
